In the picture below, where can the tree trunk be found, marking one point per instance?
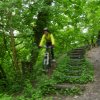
(14, 53)
(2, 73)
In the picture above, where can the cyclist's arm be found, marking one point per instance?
(52, 40)
(42, 40)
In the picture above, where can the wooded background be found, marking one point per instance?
(73, 23)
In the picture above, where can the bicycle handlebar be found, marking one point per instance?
(45, 46)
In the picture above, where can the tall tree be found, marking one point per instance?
(41, 22)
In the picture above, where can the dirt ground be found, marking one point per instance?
(92, 91)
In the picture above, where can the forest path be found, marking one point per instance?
(92, 91)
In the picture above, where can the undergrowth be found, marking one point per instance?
(46, 85)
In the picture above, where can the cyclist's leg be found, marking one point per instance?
(52, 50)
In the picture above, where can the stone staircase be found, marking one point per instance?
(74, 68)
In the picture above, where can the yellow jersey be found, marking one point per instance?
(47, 38)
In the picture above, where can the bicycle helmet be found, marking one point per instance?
(45, 29)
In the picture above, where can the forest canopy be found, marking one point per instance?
(73, 23)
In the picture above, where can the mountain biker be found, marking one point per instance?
(49, 40)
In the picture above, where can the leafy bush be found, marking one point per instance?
(5, 97)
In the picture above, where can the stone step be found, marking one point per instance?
(77, 59)
(67, 85)
(74, 68)
(75, 64)
(73, 74)
(76, 56)
(73, 77)
(73, 71)
(78, 50)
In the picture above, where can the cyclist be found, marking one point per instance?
(49, 40)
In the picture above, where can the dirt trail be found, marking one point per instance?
(92, 91)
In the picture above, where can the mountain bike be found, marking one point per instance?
(47, 59)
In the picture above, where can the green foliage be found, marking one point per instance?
(86, 75)
(70, 91)
(15, 86)
(74, 23)
(28, 91)
(88, 72)
(46, 86)
(5, 97)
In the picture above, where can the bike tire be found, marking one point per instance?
(45, 65)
